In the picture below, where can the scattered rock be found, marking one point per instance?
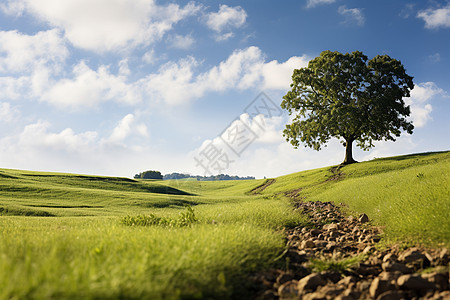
(310, 282)
(391, 295)
(288, 290)
(379, 286)
(383, 274)
(390, 257)
(441, 280)
(363, 218)
(331, 227)
(414, 257)
(308, 244)
(414, 282)
(395, 267)
(444, 256)
(331, 275)
(315, 232)
(284, 277)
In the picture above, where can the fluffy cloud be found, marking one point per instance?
(176, 83)
(38, 135)
(126, 127)
(421, 95)
(435, 18)
(40, 147)
(352, 15)
(24, 53)
(149, 57)
(407, 10)
(12, 87)
(29, 61)
(313, 3)
(259, 150)
(106, 25)
(181, 42)
(216, 155)
(90, 87)
(279, 75)
(8, 113)
(225, 20)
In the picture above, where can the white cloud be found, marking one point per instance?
(149, 57)
(225, 20)
(39, 147)
(177, 83)
(435, 18)
(106, 25)
(126, 127)
(242, 135)
(181, 42)
(421, 95)
(266, 155)
(407, 10)
(12, 87)
(124, 70)
(352, 15)
(38, 135)
(434, 58)
(24, 53)
(174, 82)
(279, 75)
(89, 88)
(15, 8)
(313, 3)
(241, 70)
(8, 113)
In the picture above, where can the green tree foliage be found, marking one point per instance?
(347, 97)
(149, 175)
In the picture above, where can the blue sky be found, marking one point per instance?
(116, 87)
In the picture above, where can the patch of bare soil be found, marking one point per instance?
(294, 194)
(262, 187)
(337, 174)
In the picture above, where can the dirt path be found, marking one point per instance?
(336, 258)
(262, 187)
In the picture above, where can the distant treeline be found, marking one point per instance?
(157, 175)
(206, 178)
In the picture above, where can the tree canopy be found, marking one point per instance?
(149, 175)
(347, 97)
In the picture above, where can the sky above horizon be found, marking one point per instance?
(117, 87)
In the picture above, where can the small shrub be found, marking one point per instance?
(184, 219)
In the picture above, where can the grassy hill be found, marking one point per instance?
(62, 235)
(408, 195)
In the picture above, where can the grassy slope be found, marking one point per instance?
(84, 251)
(409, 195)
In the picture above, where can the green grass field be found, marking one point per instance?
(62, 235)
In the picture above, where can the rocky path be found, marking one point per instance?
(336, 258)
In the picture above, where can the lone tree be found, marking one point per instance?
(349, 98)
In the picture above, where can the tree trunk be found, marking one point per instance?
(348, 152)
